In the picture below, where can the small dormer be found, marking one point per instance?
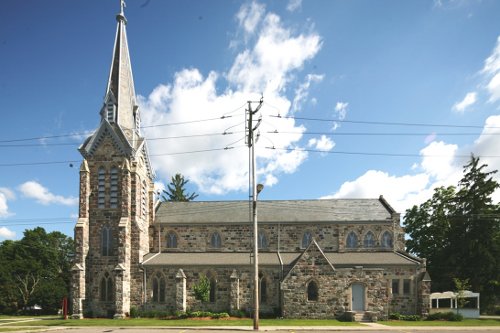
(108, 111)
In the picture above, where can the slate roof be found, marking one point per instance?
(348, 259)
(223, 212)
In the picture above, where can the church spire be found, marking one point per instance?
(120, 105)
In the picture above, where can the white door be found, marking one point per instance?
(358, 297)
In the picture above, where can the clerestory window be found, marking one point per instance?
(171, 240)
(352, 240)
(387, 240)
(369, 240)
(306, 239)
(262, 240)
(215, 240)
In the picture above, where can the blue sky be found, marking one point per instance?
(370, 70)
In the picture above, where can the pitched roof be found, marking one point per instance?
(309, 211)
(348, 259)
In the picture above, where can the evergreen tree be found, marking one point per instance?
(176, 190)
(458, 231)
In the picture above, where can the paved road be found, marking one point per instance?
(369, 329)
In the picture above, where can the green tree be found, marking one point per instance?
(176, 190)
(458, 230)
(35, 270)
(202, 289)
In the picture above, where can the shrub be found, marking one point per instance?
(220, 315)
(395, 316)
(448, 316)
(346, 317)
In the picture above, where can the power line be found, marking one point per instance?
(378, 133)
(386, 123)
(372, 153)
(87, 133)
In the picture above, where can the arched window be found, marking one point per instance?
(106, 288)
(171, 240)
(386, 240)
(106, 241)
(158, 288)
(369, 240)
(144, 207)
(213, 287)
(312, 291)
(215, 240)
(113, 197)
(352, 240)
(306, 239)
(262, 240)
(101, 188)
(262, 288)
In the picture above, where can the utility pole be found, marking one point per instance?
(251, 140)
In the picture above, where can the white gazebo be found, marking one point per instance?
(447, 301)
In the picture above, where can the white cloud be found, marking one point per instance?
(267, 67)
(6, 233)
(399, 191)
(293, 5)
(491, 70)
(492, 63)
(249, 16)
(34, 190)
(469, 99)
(302, 91)
(438, 160)
(324, 143)
(5, 195)
(340, 111)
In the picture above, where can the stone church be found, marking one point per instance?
(318, 258)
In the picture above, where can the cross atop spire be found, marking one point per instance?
(122, 6)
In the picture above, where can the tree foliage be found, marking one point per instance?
(176, 190)
(202, 289)
(458, 231)
(35, 270)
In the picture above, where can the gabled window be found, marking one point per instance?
(312, 291)
(262, 240)
(352, 240)
(101, 188)
(106, 241)
(113, 197)
(171, 240)
(215, 240)
(387, 240)
(306, 239)
(369, 240)
(158, 288)
(106, 288)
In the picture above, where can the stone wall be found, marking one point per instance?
(237, 237)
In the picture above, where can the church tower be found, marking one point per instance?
(116, 199)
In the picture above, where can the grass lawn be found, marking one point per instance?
(181, 322)
(465, 322)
